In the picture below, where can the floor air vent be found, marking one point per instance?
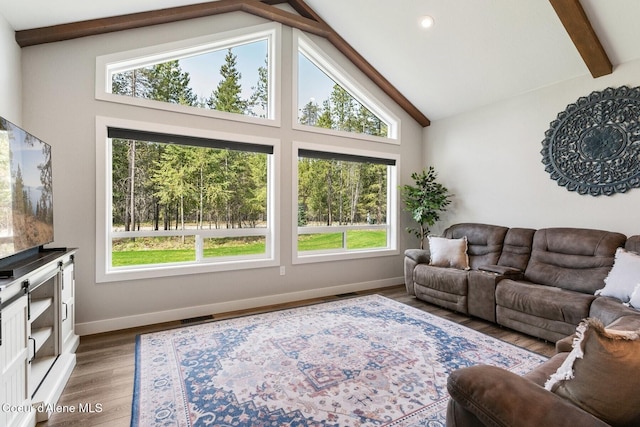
(196, 319)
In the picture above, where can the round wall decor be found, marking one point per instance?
(593, 146)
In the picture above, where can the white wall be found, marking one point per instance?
(10, 77)
(490, 159)
(60, 107)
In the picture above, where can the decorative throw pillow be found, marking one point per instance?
(600, 375)
(623, 277)
(449, 252)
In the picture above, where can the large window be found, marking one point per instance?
(212, 80)
(230, 75)
(326, 104)
(331, 102)
(346, 204)
(204, 194)
(184, 201)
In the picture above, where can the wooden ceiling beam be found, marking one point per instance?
(94, 27)
(144, 19)
(287, 18)
(307, 21)
(576, 22)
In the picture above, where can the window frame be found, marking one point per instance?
(393, 209)
(303, 44)
(104, 233)
(107, 65)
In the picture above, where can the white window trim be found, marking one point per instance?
(302, 43)
(104, 272)
(392, 210)
(107, 65)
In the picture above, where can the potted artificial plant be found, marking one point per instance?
(424, 201)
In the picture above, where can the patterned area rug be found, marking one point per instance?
(366, 361)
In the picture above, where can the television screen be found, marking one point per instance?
(26, 193)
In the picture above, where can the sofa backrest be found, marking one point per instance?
(484, 241)
(572, 258)
(516, 249)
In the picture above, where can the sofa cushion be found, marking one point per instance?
(449, 252)
(600, 375)
(484, 241)
(516, 249)
(546, 302)
(447, 280)
(572, 258)
(549, 330)
(623, 277)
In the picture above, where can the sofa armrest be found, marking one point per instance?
(413, 257)
(420, 256)
(497, 397)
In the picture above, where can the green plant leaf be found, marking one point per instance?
(425, 200)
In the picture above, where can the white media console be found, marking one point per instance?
(38, 340)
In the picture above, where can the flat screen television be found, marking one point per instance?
(26, 191)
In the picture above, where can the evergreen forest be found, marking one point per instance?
(158, 186)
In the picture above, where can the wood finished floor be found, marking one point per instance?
(105, 362)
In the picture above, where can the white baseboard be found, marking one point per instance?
(99, 326)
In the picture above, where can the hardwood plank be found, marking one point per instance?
(105, 362)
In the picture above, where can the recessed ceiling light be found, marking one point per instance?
(426, 21)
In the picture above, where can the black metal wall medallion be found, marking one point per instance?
(593, 147)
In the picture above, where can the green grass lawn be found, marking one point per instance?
(356, 239)
(151, 256)
(143, 252)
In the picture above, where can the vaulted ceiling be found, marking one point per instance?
(478, 52)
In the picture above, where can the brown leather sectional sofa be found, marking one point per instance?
(543, 283)
(540, 282)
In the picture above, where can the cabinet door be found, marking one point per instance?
(14, 391)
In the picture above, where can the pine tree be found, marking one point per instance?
(342, 109)
(133, 83)
(258, 104)
(169, 83)
(226, 97)
(173, 178)
(310, 113)
(325, 120)
(164, 82)
(369, 123)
